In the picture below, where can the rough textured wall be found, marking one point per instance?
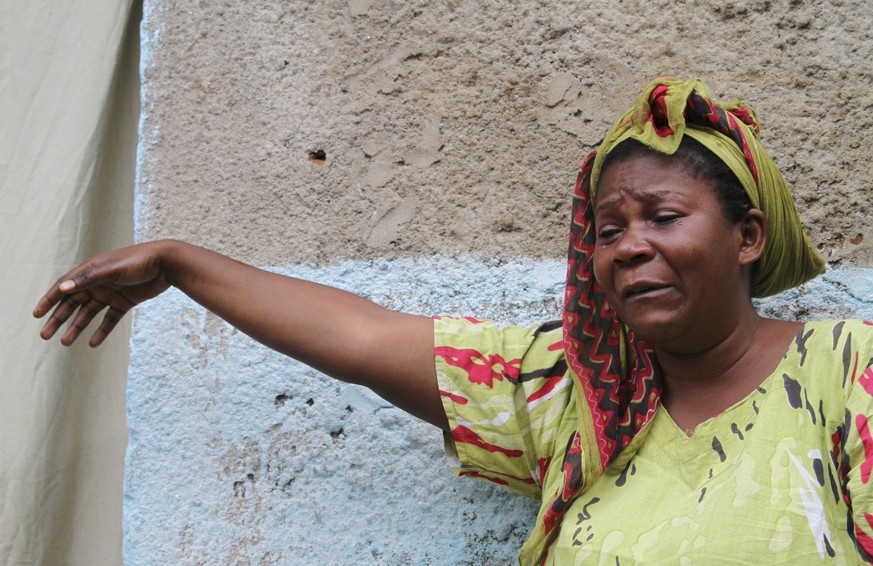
(457, 126)
(421, 153)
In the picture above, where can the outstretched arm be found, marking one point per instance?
(338, 333)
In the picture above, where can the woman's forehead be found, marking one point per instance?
(648, 177)
(644, 171)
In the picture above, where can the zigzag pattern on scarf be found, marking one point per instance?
(622, 400)
(615, 370)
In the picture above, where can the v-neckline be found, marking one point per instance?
(790, 347)
(684, 448)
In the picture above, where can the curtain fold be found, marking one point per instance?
(69, 110)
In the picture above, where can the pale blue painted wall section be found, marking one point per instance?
(240, 456)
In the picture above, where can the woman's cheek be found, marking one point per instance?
(599, 268)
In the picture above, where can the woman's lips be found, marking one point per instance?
(645, 290)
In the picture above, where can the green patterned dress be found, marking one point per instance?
(780, 477)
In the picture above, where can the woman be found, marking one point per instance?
(664, 418)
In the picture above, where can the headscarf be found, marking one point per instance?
(618, 380)
(669, 109)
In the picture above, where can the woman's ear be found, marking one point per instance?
(753, 233)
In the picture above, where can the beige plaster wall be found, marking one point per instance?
(457, 126)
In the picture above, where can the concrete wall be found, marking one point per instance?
(421, 154)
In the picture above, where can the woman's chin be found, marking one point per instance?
(657, 330)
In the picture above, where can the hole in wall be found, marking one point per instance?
(282, 399)
(318, 156)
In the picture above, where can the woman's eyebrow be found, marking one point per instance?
(648, 195)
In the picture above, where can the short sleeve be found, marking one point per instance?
(856, 466)
(506, 393)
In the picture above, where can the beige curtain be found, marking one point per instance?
(69, 105)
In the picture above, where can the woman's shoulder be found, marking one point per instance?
(485, 336)
(836, 336)
(831, 353)
(484, 352)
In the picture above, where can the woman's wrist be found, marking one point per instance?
(171, 259)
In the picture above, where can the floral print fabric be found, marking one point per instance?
(782, 476)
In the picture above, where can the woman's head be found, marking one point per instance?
(673, 262)
(665, 116)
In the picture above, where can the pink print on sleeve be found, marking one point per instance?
(480, 368)
(457, 399)
(465, 435)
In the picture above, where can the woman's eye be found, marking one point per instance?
(667, 218)
(606, 233)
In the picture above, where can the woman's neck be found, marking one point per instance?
(702, 385)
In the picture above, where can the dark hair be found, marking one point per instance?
(702, 164)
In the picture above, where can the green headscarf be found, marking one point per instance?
(669, 109)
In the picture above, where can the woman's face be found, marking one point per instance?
(666, 254)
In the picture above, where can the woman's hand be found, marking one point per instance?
(115, 281)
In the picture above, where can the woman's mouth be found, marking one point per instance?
(644, 290)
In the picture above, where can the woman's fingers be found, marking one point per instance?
(64, 309)
(82, 307)
(49, 300)
(110, 319)
(114, 281)
(86, 313)
(68, 283)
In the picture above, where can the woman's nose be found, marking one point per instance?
(633, 246)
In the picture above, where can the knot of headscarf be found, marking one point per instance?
(618, 383)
